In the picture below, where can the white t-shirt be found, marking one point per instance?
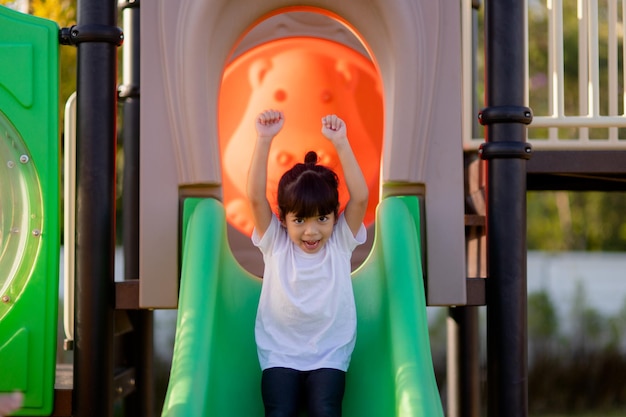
(306, 317)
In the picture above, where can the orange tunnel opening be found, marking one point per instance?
(306, 78)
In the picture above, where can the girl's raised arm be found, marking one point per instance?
(268, 124)
(335, 130)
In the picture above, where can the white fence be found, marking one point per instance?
(600, 28)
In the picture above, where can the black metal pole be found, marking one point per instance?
(506, 152)
(139, 344)
(95, 35)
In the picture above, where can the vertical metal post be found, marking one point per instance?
(97, 38)
(463, 362)
(129, 96)
(139, 344)
(506, 152)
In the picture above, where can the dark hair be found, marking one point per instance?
(308, 190)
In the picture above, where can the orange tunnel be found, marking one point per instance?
(306, 78)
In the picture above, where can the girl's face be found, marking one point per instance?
(309, 233)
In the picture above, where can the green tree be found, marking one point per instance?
(617, 329)
(590, 331)
(543, 325)
(543, 322)
(544, 231)
(582, 221)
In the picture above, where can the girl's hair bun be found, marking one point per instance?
(310, 158)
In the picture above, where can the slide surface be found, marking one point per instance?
(215, 370)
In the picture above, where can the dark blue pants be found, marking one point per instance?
(286, 391)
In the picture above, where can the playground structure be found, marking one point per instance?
(30, 195)
(187, 50)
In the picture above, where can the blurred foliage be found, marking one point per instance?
(577, 370)
(543, 322)
(577, 221)
(576, 359)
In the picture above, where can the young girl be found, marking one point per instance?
(306, 320)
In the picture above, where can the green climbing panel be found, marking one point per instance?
(29, 208)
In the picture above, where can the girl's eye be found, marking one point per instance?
(298, 220)
(323, 219)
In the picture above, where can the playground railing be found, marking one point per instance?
(600, 119)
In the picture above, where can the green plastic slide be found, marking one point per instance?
(215, 370)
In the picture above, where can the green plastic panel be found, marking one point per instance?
(215, 370)
(29, 208)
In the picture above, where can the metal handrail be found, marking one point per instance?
(69, 224)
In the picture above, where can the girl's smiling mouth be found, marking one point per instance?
(311, 245)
